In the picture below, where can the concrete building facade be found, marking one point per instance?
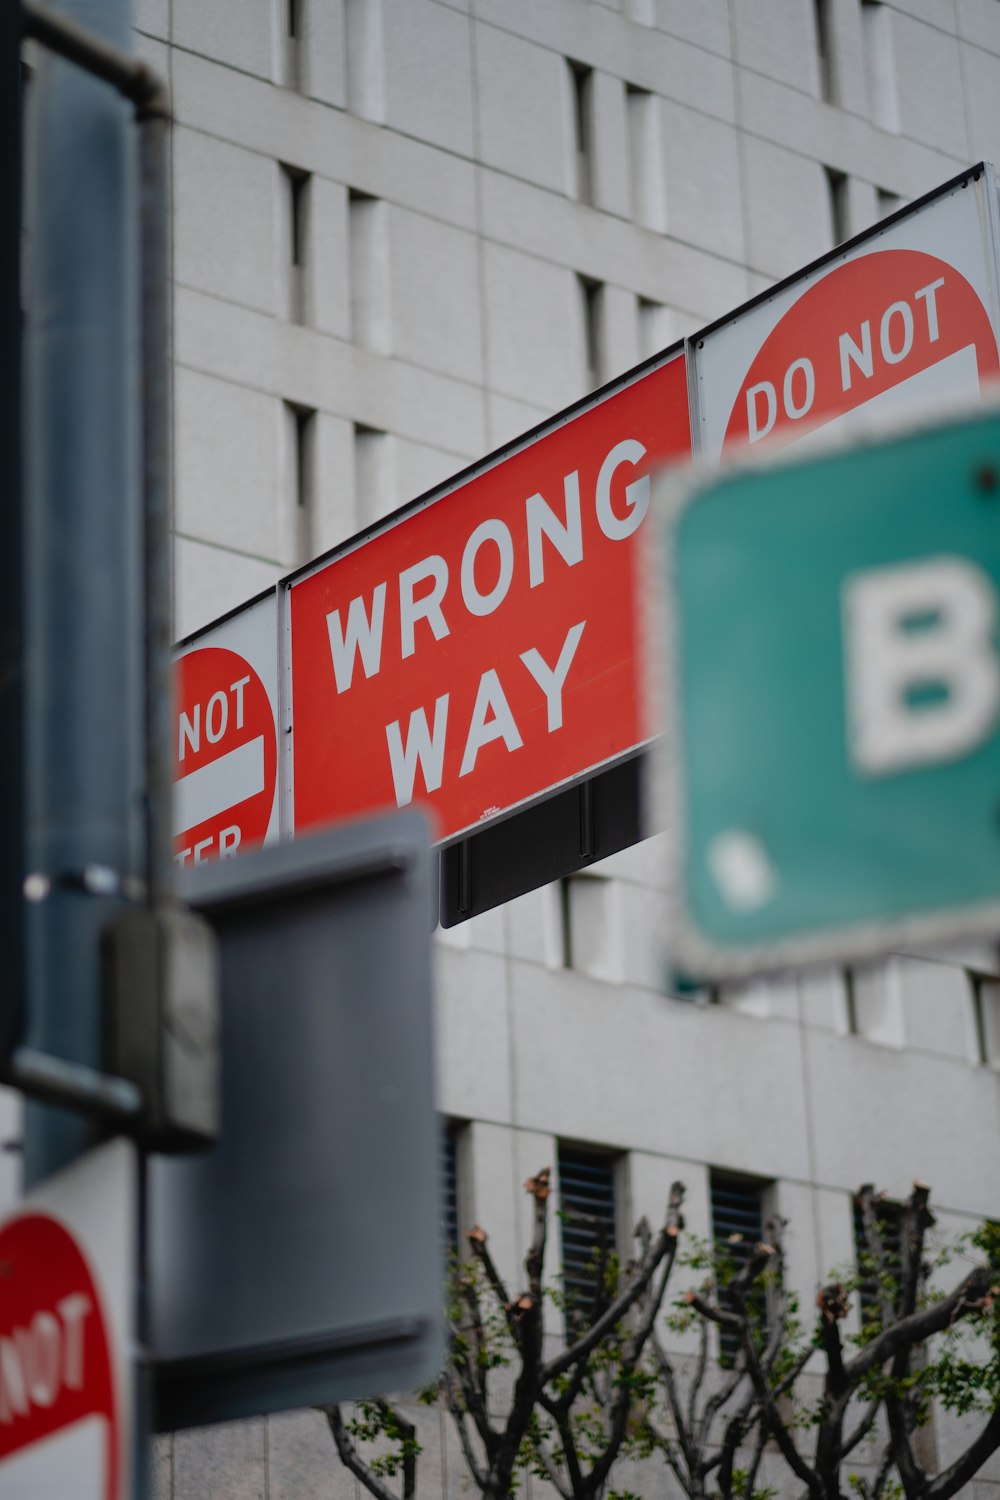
(405, 232)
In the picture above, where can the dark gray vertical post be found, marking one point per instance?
(11, 622)
(84, 555)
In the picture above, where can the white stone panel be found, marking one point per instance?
(333, 514)
(225, 206)
(338, 145)
(472, 1035)
(619, 332)
(778, 37)
(322, 53)
(507, 418)
(247, 42)
(435, 295)
(493, 1193)
(979, 23)
(533, 328)
(675, 1077)
(846, 44)
(704, 196)
(428, 82)
(929, 85)
(982, 89)
(650, 1179)
(209, 581)
(523, 107)
(787, 210)
(153, 17)
(420, 468)
(706, 24)
(638, 54)
(937, 1006)
(326, 270)
(823, 999)
(869, 1109)
(226, 463)
(610, 150)
(793, 1201)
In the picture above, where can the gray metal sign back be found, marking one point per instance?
(299, 1260)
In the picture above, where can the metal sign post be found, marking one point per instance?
(831, 658)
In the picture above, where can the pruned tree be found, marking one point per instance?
(566, 1415)
(712, 1414)
(915, 1345)
(616, 1389)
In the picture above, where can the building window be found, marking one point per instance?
(300, 425)
(295, 188)
(986, 1012)
(450, 1222)
(836, 187)
(871, 1263)
(737, 1228)
(582, 93)
(589, 1227)
(291, 19)
(592, 312)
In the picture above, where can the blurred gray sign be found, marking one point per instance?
(299, 1260)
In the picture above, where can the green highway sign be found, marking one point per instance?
(832, 757)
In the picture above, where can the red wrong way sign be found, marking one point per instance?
(225, 756)
(61, 1422)
(483, 649)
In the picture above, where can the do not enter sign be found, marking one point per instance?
(226, 756)
(60, 1418)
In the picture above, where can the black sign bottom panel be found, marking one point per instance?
(567, 832)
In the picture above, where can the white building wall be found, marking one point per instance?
(445, 230)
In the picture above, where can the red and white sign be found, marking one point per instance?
(225, 745)
(65, 1390)
(909, 315)
(483, 649)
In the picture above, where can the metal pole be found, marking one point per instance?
(12, 868)
(83, 556)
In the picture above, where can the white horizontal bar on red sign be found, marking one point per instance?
(221, 784)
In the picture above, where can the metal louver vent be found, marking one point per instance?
(449, 1189)
(587, 1201)
(737, 1226)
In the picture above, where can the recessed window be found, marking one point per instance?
(986, 1010)
(300, 424)
(368, 237)
(291, 21)
(592, 311)
(836, 187)
(879, 1255)
(581, 94)
(587, 1203)
(451, 1228)
(824, 55)
(295, 191)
